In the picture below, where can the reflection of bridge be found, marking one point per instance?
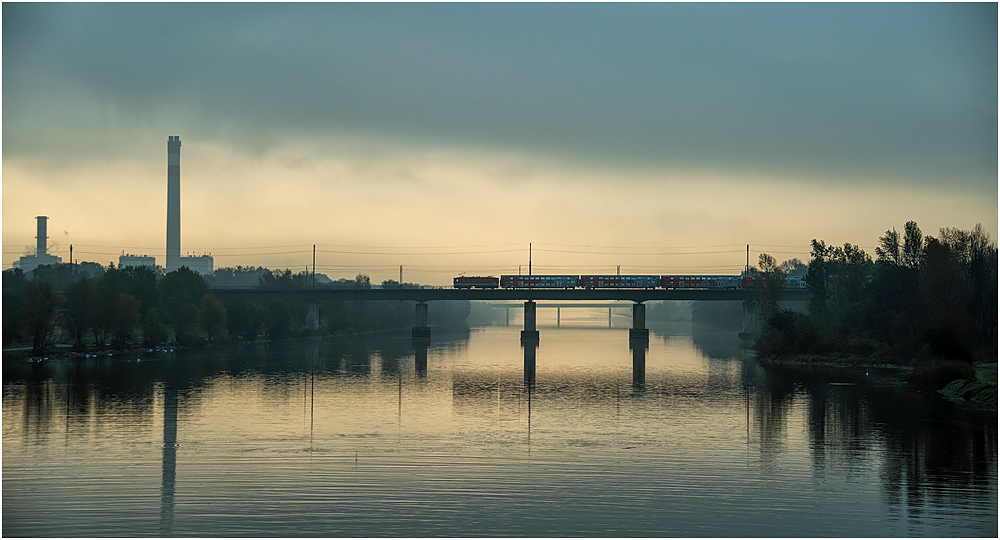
(530, 296)
(559, 306)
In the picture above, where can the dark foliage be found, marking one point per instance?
(933, 299)
(129, 306)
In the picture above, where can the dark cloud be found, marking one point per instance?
(858, 90)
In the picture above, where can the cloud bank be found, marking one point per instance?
(848, 91)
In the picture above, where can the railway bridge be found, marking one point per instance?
(529, 296)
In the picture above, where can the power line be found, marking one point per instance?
(641, 253)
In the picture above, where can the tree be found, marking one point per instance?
(283, 279)
(105, 315)
(277, 321)
(913, 246)
(212, 316)
(14, 285)
(59, 275)
(126, 319)
(80, 310)
(40, 314)
(887, 250)
(153, 332)
(243, 319)
(184, 282)
(770, 282)
(138, 281)
(180, 294)
(182, 314)
(794, 267)
(982, 271)
(816, 278)
(944, 296)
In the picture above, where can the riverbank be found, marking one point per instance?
(836, 361)
(982, 389)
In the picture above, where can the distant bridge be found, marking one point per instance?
(439, 294)
(421, 296)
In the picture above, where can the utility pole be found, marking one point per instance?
(529, 258)
(314, 266)
(400, 276)
(748, 259)
(619, 270)
(71, 266)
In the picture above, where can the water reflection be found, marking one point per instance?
(420, 346)
(931, 463)
(169, 475)
(530, 347)
(639, 348)
(932, 454)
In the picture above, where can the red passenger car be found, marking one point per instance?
(463, 282)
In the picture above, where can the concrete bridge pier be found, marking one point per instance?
(529, 333)
(749, 320)
(420, 328)
(312, 318)
(638, 332)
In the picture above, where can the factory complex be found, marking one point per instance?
(202, 264)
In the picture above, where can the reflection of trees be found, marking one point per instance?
(94, 395)
(932, 449)
(770, 399)
(930, 453)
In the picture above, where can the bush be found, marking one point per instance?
(932, 373)
(787, 332)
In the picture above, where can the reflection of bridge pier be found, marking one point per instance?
(530, 348)
(639, 348)
(420, 345)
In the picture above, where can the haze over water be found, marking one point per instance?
(354, 437)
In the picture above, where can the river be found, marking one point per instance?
(366, 436)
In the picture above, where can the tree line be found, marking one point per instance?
(924, 300)
(128, 307)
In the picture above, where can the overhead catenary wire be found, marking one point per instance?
(447, 253)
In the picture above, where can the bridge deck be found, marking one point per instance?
(429, 295)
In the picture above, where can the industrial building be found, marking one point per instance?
(41, 256)
(135, 261)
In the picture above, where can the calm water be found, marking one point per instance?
(368, 437)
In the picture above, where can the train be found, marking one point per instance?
(743, 281)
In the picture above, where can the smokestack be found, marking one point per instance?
(42, 238)
(173, 202)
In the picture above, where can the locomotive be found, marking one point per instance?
(616, 282)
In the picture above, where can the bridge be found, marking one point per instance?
(530, 297)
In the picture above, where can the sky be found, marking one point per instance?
(446, 138)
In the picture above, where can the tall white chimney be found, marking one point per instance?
(42, 237)
(173, 202)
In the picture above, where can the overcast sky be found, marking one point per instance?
(647, 129)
